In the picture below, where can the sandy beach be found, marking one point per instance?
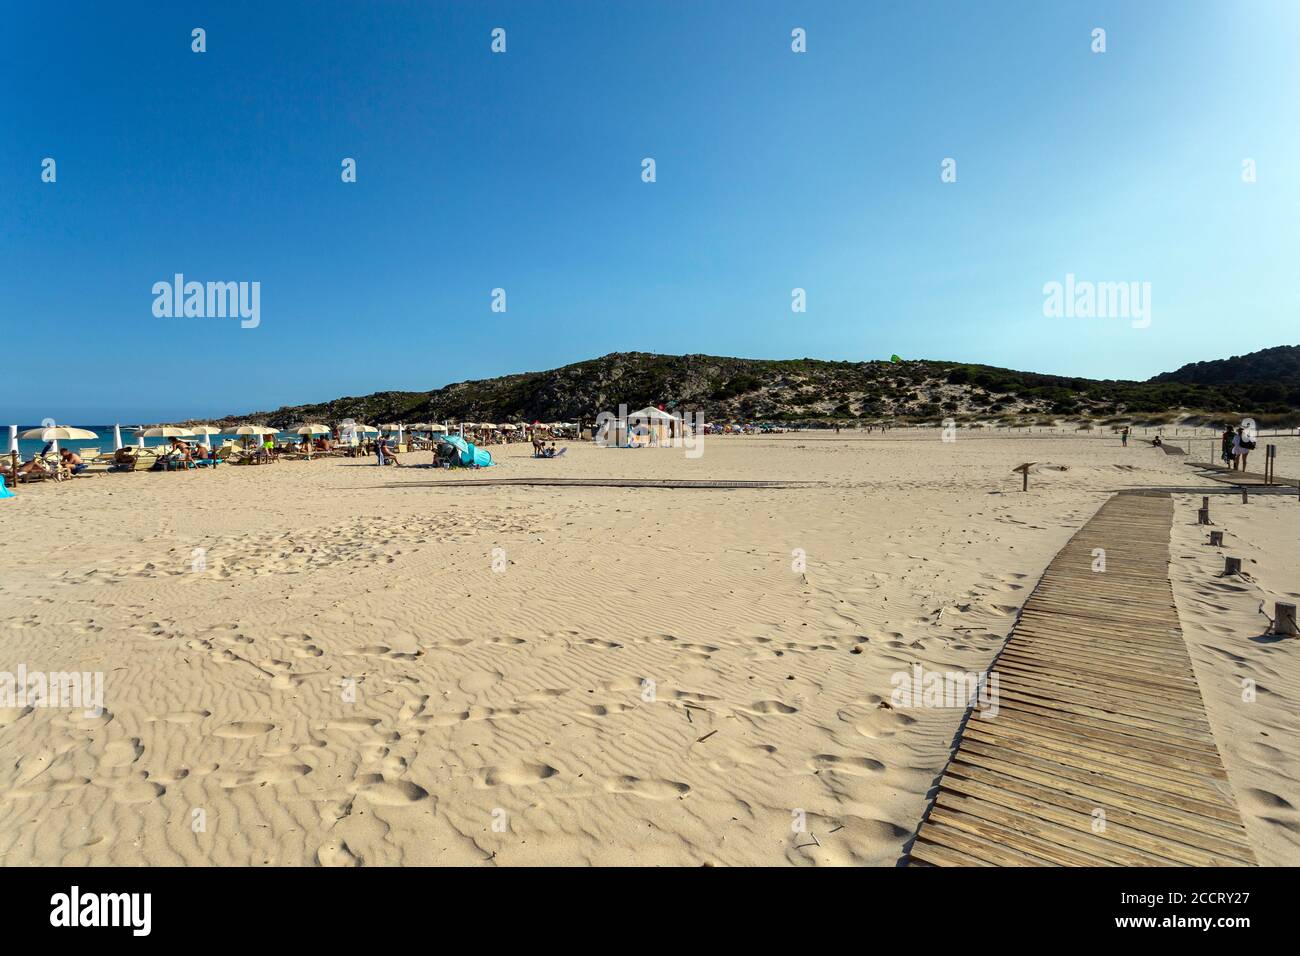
(331, 663)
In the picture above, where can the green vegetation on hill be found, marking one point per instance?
(1265, 385)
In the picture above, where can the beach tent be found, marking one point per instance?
(652, 426)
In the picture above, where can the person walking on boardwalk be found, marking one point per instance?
(1225, 452)
(1240, 449)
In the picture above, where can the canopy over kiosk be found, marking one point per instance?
(652, 426)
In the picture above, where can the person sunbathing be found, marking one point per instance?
(35, 466)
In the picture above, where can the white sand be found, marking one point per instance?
(519, 698)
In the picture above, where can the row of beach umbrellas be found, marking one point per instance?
(57, 433)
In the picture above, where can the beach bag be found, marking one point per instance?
(1247, 444)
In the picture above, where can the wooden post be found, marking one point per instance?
(1284, 622)
(1203, 516)
(1231, 566)
(1216, 539)
(13, 462)
(1245, 495)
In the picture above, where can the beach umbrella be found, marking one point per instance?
(13, 438)
(309, 430)
(117, 437)
(255, 431)
(164, 431)
(207, 431)
(55, 433)
(58, 433)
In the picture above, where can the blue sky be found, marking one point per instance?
(775, 170)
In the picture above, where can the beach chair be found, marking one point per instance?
(124, 459)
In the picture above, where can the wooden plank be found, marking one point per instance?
(1098, 708)
(1149, 834)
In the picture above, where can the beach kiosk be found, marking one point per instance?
(652, 426)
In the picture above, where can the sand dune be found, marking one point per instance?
(326, 663)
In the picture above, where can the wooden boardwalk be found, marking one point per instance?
(1100, 753)
(1252, 479)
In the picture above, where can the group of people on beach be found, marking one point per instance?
(69, 461)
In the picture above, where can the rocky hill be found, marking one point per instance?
(1264, 384)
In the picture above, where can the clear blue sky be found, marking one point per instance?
(522, 171)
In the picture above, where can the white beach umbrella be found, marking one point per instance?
(207, 431)
(167, 431)
(254, 431)
(55, 433)
(311, 430)
(13, 438)
(117, 437)
(58, 433)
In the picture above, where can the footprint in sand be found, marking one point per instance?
(519, 774)
(879, 724)
(10, 714)
(243, 729)
(604, 710)
(768, 707)
(258, 776)
(853, 766)
(32, 765)
(43, 785)
(388, 793)
(352, 725)
(181, 716)
(648, 789)
(137, 791)
(122, 753)
(337, 853)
